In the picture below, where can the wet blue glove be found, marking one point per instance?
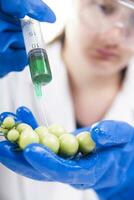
(12, 51)
(108, 170)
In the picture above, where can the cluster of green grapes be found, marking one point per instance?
(55, 137)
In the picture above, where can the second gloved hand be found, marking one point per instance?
(108, 170)
(12, 51)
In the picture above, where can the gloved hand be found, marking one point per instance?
(14, 159)
(108, 170)
(12, 51)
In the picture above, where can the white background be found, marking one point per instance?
(62, 9)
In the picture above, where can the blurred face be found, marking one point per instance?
(104, 34)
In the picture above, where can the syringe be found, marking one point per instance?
(37, 56)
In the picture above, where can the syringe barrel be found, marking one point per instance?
(35, 48)
(32, 34)
(39, 66)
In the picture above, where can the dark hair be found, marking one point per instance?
(60, 37)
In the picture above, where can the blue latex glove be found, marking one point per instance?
(108, 170)
(12, 51)
(10, 156)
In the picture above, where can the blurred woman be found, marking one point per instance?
(92, 67)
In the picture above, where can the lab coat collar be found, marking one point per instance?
(123, 105)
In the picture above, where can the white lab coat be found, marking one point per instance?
(16, 90)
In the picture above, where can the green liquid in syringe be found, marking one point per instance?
(39, 68)
(38, 90)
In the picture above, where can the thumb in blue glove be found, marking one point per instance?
(12, 50)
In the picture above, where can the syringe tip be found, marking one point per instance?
(38, 90)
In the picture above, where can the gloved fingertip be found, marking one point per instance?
(111, 133)
(47, 14)
(37, 155)
(26, 115)
(35, 150)
(8, 114)
(42, 12)
(32, 148)
(103, 133)
(6, 147)
(43, 17)
(22, 109)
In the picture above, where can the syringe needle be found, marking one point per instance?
(38, 90)
(42, 108)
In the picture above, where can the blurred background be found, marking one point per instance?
(62, 10)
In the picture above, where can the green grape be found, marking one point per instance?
(51, 141)
(3, 130)
(68, 145)
(23, 126)
(13, 135)
(27, 137)
(56, 130)
(8, 123)
(41, 131)
(86, 143)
